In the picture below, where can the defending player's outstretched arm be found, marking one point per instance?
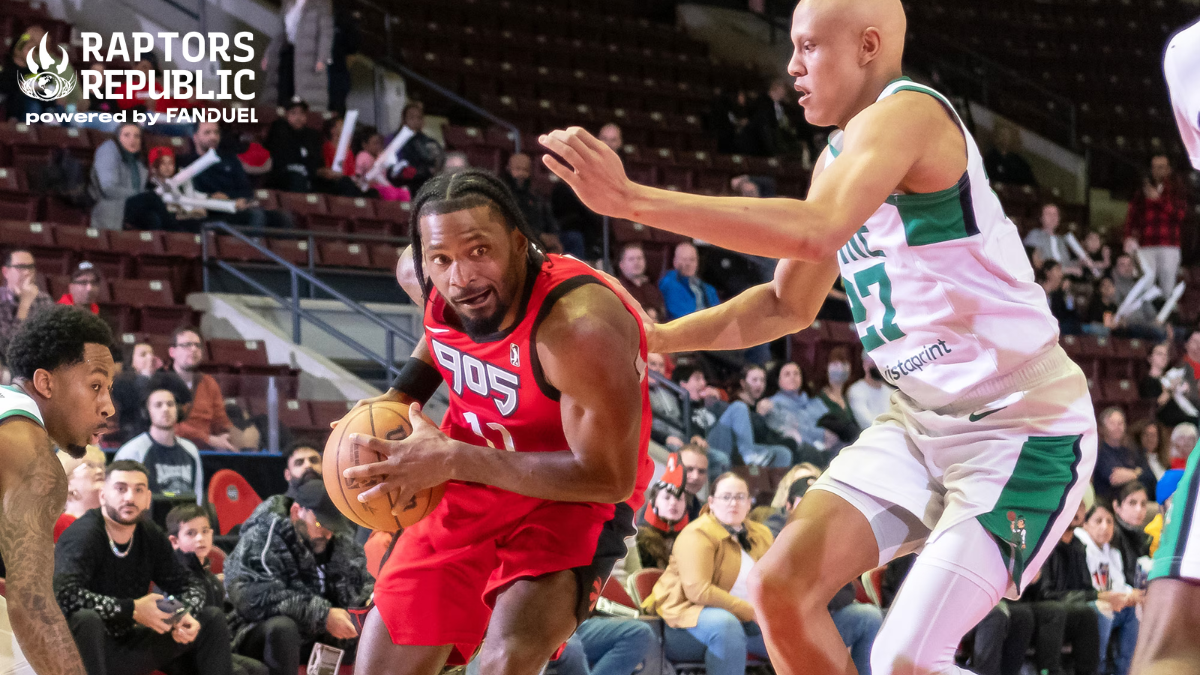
(885, 148)
(589, 350)
(33, 490)
(760, 314)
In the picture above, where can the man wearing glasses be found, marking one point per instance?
(205, 422)
(84, 288)
(20, 296)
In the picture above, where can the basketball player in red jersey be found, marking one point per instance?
(543, 445)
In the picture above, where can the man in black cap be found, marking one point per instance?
(293, 575)
(297, 162)
(84, 288)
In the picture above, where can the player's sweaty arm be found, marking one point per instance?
(760, 314)
(588, 348)
(763, 313)
(881, 145)
(33, 490)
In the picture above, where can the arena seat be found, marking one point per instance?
(343, 254)
(325, 412)
(82, 238)
(614, 591)
(237, 353)
(232, 497)
(641, 583)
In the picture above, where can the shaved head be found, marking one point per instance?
(845, 52)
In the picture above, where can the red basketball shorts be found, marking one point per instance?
(440, 583)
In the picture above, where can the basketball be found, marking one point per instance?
(388, 421)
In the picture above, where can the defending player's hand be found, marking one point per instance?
(420, 461)
(595, 172)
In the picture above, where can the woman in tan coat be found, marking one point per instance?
(703, 596)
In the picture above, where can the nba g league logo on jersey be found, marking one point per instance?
(485, 379)
(43, 83)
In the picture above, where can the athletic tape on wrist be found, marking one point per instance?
(418, 380)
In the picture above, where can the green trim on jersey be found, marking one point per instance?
(1032, 499)
(8, 413)
(935, 217)
(1177, 523)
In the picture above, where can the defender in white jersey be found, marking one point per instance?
(62, 373)
(985, 454)
(1169, 640)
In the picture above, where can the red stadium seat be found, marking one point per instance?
(136, 243)
(143, 293)
(82, 238)
(641, 583)
(344, 254)
(232, 497)
(237, 353)
(385, 256)
(324, 412)
(294, 251)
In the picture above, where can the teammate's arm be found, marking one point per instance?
(34, 490)
(588, 347)
(881, 145)
(766, 312)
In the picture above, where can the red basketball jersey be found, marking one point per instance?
(498, 394)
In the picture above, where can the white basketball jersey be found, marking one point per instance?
(1181, 65)
(15, 402)
(940, 288)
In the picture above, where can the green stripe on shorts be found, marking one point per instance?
(1177, 523)
(1032, 499)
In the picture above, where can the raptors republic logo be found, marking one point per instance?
(45, 84)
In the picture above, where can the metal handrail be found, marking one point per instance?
(390, 62)
(295, 274)
(683, 395)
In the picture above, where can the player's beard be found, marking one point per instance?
(487, 325)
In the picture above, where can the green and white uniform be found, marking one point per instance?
(1178, 556)
(992, 420)
(14, 403)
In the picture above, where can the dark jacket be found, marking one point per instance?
(228, 177)
(272, 572)
(1133, 543)
(214, 590)
(1110, 457)
(1065, 576)
(296, 155)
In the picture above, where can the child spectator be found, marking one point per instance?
(191, 533)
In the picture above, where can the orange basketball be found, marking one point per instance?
(388, 421)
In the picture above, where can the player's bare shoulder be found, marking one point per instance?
(28, 465)
(587, 324)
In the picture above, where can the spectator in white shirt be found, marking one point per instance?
(1116, 602)
(869, 397)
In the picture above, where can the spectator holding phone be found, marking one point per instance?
(103, 565)
(293, 575)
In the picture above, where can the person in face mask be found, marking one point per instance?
(869, 397)
(833, 394)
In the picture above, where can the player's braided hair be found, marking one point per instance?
(467, 189)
